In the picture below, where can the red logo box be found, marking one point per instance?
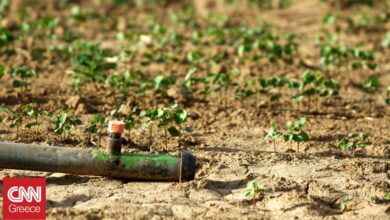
(24, 198)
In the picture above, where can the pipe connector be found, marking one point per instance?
(114, 140)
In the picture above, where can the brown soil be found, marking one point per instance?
(228, 139)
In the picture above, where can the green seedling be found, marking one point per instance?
(118, 113)
(41, 28)
(273, 134)
(193, 57)
(119, 83)
(16, 118)
(311, 81)
(372, 86)
(98, 123)
(386, 40)
(334, 54)
(222, 82)
(329, 89)
(353, 141)
(387, 100)
(206, 84)
(180, 117)
(130, 121)
(24, 75)
(35, 117)
(90, 65)
(164, 115)
(253, 190)
(344, 202)
(367, 23)
(245, 91)
(377, 199)
(64, 124)
(1, 71)
(189, 81)
(6, 40)
(295, 132)
(162, 84)
(151, 117)
(271, 82)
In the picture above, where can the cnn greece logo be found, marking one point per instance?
(24, 194)
(24, 198)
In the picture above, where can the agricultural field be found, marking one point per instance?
(285, 103)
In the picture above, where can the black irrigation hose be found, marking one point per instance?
(97, 163)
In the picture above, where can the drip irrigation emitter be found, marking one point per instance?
(110, 163)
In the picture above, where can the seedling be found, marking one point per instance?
(90, 65)
(295, 132)
(65, 124)
(353, 141)
(372, 86)
(151, 116)
(180, 116)
(119, 83)
(223, 81)
(16, 118)
(189, 81)
(386, 41)
(273, 134)
(245, 91)
(35, 117)
(274, 82)
(98, 123)
(311, 81)
(118, 113)
(253, 190)
(377, 199)
(344, 202)
(162, 83)
(335, 54)
(6, 39)
(1, 71)
(130, 121)
(23, 74)
(387, 100)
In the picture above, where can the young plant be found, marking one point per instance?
(274, 82)
(162, 84)
(189, 81)
(16, 118)
(311, 81)
(344, 202)
(295, 132)
(130, 121)
(353, 141)
(24, 75)
(180, 117)
(387, 100)
(151, 116)
(1, 70)
(35, 117)
(372, 86)
(273, 134)
(98, 123)
(65, 124)
(222, 81)
(253, 190)
(245, 91)
(335, 54)
(6, 40)
(90, 65)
